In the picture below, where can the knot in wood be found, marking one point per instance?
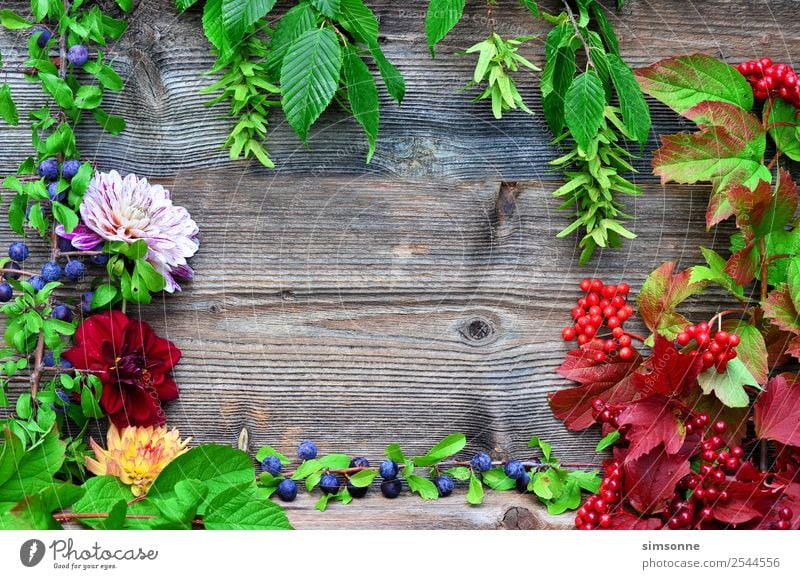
(478, 331)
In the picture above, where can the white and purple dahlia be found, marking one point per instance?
(117, 208)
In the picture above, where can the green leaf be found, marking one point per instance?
(296, 21)
(101, 495)
(115, 519)
(557, 77)
(104, 294)
(154, 281)
(605, 28)
(214, 28)
(662, 292)
(475, 492)
(786, 137)
(569, 499)
(218, 466)
(266, 451)
(239, 15)
(11, 20)
(395, 453)
(423, 487)
(243, 509)
(89, 405)
(441, 17)
(329, 8)
(16, 212)
(532, 6)
(8, 109)
(588, 481)
(497, 479)
(31, 470)
(363, 478)
(451, 445)
(357, 18)
(107, 76)
(715, 272)
(111, 124)
(459, 472)
(39, 9)
(546, 484)
(392, 77)
(363, 96)
(685, 81)
(536, 442)
(59, 89)
(127, 5)
(583, 108)
(313, 479)
(335, 461)
(728, 386)
(635, 112)
(307, 468)
(608, 440)
(309, 78)
(65, 216)
(183, 5)
(322, 503)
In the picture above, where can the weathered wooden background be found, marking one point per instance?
(359, 305)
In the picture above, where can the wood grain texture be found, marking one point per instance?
(437, 132)
(400, 301)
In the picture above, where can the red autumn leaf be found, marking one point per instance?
(742, 124)
(786, 495)
(780, 310)
(718, 207)
(650, 480)
(661, 293)
(652, 422)
(667, 371)
(624, 520)
(741, 505)
(777, 412)
(780, 345)
(793, 347)
(607, 380)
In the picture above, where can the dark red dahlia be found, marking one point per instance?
(133, 363)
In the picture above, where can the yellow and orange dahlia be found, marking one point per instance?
(136, 454)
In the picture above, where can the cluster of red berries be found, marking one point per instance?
(596, 512)
(784, 522)
(606, 413)
(602, 305)
(772, 80)
(716, 348)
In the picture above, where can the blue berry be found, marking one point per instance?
(78, 55)
(48, 169)
(522, 483)
(65, 364)
(52, 192)
(15, 266)
(74, 270)
(287, 490)
(514, 469)
(70, 168)
(6, 292)
(271, 464)
(359, 462)
(86, 302)
(65, 244)
(307, 450)
(329, 484)
(445, 485)
(481, 462)
(356, 492)
(62, 313)
(51, 271)
(65, 398)
(37, 282)
(388, 469)
(101, 259)
(49, 359)
(18, 251)
(44, 36)
(391, 488)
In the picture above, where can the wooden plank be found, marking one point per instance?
(359, 312)
(437, 132)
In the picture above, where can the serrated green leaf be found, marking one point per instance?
(557, 77)
(782, 121)
(362, 95)
(459, 472)
(441, 17)
(728, 386)
(363, 478)
(244, 509)
(58, 89)
(329, 8)
(423, 487)
(8, 109)
(635, 112)
(239, 15)
(449, 446)
(335, 461)
(13, 21)
(183, 5)
(266, 451)
(295, 22)
(308, 467)
(588, 481)
(395, 453)
(583, 108)
(309, 78)
(536, 442)
(497, 479)
(569, 499)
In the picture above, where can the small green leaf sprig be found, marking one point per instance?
(313, 55)
(558, 486)
(497, 60)
(47, 193)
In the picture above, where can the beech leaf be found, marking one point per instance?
(777, 411)
(583, 108)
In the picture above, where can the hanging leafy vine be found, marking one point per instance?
(311, 56)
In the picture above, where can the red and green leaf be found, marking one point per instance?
(729, 385)
(684, 81)
(777, 411)
(752, 349)
(663, 291)
(780, 310)
(759, 212)
(609, 381)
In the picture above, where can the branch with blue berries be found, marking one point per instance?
(341, 478)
